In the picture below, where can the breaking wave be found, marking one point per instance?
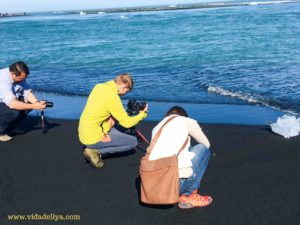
(238, 95)
(248, 98)
(265, 3)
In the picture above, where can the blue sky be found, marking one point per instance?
(54, 5)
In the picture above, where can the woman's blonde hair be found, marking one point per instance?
(124, 78)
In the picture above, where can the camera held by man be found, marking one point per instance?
(134, 107)
(48, 105)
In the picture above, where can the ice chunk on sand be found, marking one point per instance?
(286, 126)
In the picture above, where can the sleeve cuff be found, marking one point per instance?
(144, 114)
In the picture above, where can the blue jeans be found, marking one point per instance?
(120, 142)
(200, 161)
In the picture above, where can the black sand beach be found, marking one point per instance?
(253, 176)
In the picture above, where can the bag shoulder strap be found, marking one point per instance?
(154, 140)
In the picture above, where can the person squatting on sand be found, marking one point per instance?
(192, 161)
(103, 108)
(16, 99)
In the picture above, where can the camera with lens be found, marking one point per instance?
(49, 104)
(134, 107)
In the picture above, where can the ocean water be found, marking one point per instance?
(242, 55)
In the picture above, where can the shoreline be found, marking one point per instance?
(154, 8)
(172, 7)
(5, 15)
(70, 107)
(161, 8)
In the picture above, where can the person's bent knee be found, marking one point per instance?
(200, 147)
(134, 142)
(202, 150)
(206, 151)
(11, 115)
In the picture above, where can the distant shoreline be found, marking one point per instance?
(160, 8)
(178, 7)
(3, 15)
(169, 7)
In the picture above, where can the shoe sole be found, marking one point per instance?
(190, 205)
(185, 205)
(93, 165)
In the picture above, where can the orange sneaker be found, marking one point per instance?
(194, 200)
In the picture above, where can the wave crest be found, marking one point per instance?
(249, 98)
(238, 95)
(264, 3)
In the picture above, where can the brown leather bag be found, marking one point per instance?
(160, 178)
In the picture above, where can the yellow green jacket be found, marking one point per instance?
(102, 103)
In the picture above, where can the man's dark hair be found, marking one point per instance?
(18, 68)
(177, 110)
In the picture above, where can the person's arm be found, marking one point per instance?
(10, 100)
(30, 97)
(19, 105)
(117, 110)
(196, 132)
(111, 122)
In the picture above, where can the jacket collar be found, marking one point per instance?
(113, 86)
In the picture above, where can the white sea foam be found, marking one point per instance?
(246, 97)
(124, 17)
(265, 3)
(238, 95)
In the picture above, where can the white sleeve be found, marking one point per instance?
(6, 94)
(26, 92)
(196, 132)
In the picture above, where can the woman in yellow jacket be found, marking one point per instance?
(103, 108)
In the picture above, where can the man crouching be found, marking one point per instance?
(16, 99)
(96, 126)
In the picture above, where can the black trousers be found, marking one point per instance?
(10, 118)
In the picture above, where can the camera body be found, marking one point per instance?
(134, 107)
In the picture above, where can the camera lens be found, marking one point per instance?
(49, 104)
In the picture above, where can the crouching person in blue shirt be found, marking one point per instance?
(16, 99)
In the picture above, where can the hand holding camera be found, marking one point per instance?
(41, 105)
(134, 108)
